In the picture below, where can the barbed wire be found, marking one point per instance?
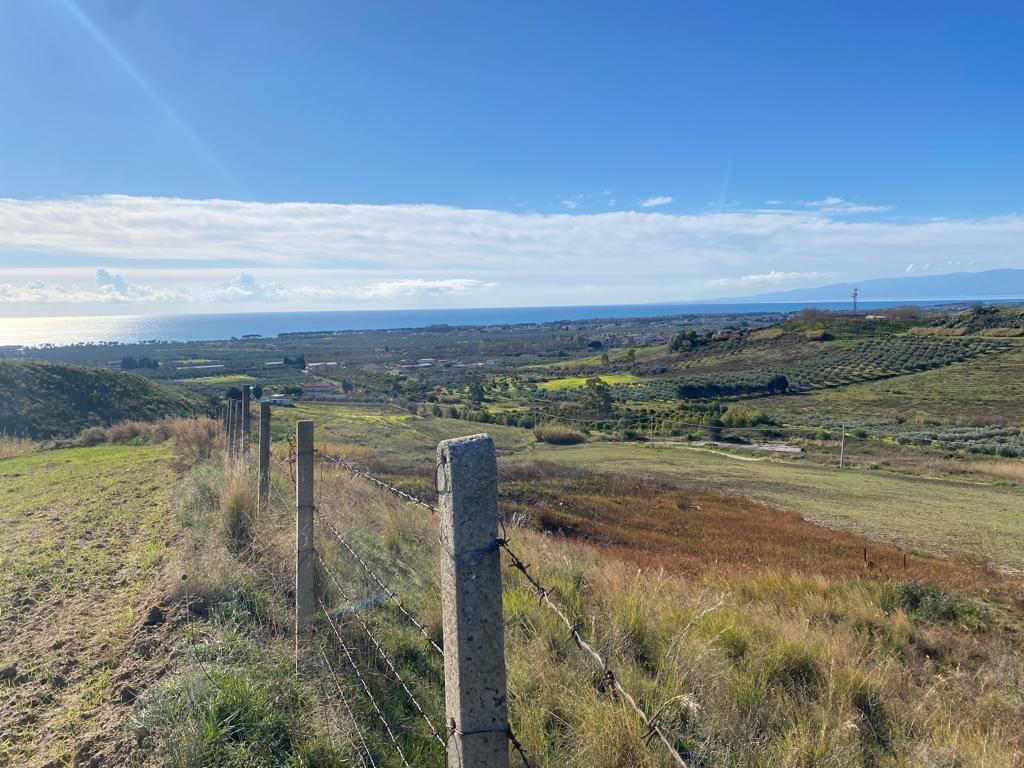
(653, 729)
(390, 593)
(348, 709)
(362, 680)
(383, 653)
(393, 490)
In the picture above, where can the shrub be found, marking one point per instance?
(92, 436)
(558, 434)
(742, 416)
(196, 440)
(933, 604)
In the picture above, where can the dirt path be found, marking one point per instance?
(81, 628)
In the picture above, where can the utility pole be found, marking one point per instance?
(842, 447)
(854, 295)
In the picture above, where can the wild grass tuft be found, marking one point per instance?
(238, 509)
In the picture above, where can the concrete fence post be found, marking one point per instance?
(264, 457)
(246, 418)
(303, 537)
(475, 694)
(229, 434)
(236, 433)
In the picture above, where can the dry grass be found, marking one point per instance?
(766, 643)
(15, 446)
(1005, 470)
(238, 508)
(194, 439)
(658, 525)
(197, 440)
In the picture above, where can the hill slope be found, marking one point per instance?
(992, 284)
(44, 400)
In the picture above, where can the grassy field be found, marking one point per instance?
(577, 382)
(759, 638)
(391, 432)
(989, 389)
(226, 379)
(949, 517)
(84, 530)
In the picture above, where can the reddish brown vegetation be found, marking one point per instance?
(656, 524)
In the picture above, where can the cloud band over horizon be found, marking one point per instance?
(175, 252)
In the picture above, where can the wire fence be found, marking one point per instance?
(380, 670)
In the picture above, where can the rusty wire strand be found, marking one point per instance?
(362, 680)
(408, 497)
(653, 729)
(391, 594)
(382, 652)
(348, 709)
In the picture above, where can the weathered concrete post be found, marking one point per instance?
(264, 458)
(475, 695)
(237, 447)
(246, 418)
(303, 537)
(230, 433)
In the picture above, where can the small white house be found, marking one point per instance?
(279, 400)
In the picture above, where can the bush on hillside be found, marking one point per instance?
(558, 434)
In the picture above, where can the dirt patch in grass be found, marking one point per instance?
(657, 524)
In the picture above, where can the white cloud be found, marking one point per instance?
(112, 288)
(572, 205)
(836, 205)
(308, 254)
(654, 202)
(774, 277)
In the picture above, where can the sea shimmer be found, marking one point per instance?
(34, 331)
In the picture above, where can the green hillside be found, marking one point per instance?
(45, 400)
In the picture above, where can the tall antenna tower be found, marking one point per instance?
(855, 294)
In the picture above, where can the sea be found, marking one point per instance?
(133, 329)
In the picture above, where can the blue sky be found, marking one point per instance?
(299, 155)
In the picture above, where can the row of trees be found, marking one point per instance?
(129, 363)
(710, 390)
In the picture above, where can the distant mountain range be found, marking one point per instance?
(990, 285)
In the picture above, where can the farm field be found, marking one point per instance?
(578, 382)
(78, 561)
(391, 432)
(948, 517)
(976, 391)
